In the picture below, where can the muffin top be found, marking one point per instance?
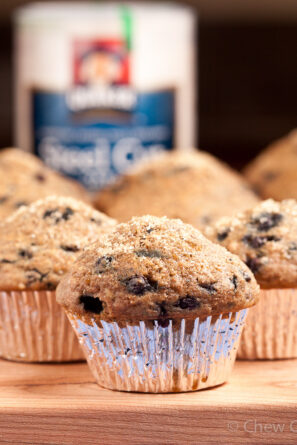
(195, 187)
(273, 172)
(24, 179)
(265, 238)
(156, 268)
(40, 242)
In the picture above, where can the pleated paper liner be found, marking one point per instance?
(34, 328)
(271, 328)
(187, 355)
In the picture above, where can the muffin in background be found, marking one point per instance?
(273, 174)
(24, 179)
(195, 187)
(38, 245)
(157, 307)
(265, 238)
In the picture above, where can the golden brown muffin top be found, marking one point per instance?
(156, 268)
(265, 238)
(40, 242)
(195, 187)
(24, 179)
(273, 173)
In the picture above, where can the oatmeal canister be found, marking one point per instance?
(99, 86)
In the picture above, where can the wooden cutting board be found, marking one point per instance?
(61, 404)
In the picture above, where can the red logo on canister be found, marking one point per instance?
(101, 62)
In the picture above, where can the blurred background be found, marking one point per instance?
(247, 72)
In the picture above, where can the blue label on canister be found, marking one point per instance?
(94, 134)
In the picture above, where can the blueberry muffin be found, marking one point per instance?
(195, 187)
(24, 179)
(38, 245)
(273, 173)
(157, 279)
(265, 238)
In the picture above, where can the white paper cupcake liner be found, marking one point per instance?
(34, 328)
(147, 357)
(271, 328)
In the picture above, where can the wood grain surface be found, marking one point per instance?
(61, 404)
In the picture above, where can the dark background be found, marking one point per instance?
(247, 65)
